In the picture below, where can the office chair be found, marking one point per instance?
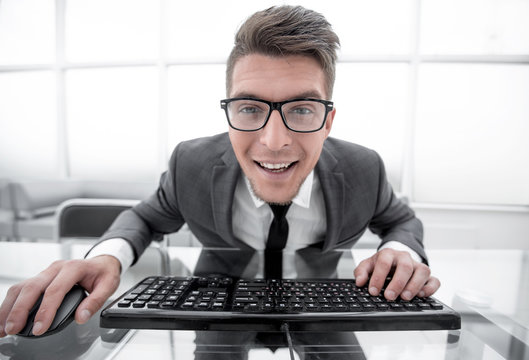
(80, 220)
(88, 218)
(7, 214)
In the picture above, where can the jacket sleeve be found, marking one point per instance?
(153, 217)
(394, 220)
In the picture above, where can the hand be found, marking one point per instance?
(99, 276)
(410, 278)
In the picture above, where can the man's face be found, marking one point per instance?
(275, 159)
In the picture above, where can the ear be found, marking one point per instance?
(328, 123)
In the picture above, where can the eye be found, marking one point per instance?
(301, 110)
(249, 109)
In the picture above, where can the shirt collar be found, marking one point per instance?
(301, 199)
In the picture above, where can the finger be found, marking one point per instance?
(22, 305)
(403, 273)
(22, 299)
(93, 302)
(383, 265)
(363, 270)
(6, 306)
(431, 286)
(421, 274)
(53, 297)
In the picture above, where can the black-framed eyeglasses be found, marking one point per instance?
(303, 115)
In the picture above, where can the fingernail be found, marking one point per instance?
(406, 295)
(85, 315)
(373, 291)
(9, 327)
(390, 295)
(421, 293)
(37, 327)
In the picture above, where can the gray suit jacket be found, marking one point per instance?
(199, 186)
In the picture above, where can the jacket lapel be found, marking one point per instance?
(223, 181)
(332, 184)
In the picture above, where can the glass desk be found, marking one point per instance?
(490, 288)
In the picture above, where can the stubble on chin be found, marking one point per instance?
(256, 191)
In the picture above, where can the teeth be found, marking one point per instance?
(275, 166)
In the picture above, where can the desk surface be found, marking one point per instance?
(490, 288)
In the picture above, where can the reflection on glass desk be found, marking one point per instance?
(489, 288)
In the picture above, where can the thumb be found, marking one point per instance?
(93, 302)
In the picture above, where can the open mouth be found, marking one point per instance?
(277, 167)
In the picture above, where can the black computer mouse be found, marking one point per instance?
(64, 316)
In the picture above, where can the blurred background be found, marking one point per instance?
(101, 91)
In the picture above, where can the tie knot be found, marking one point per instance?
(279, 211)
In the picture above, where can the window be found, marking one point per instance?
(27, 32)
(28, 123)
(438, 88)
(471, 136)
(112, 132)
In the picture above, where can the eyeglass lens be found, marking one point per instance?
(303, 115)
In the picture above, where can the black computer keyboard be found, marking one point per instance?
(224, 303)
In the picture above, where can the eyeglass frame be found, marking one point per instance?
(329, 106)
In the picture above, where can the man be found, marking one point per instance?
(280, 77)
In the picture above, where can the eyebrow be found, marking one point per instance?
(308, 94)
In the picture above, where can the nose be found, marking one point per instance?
(275, 135)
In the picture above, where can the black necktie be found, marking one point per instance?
(277, 239)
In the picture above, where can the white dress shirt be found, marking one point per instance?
(251, 221)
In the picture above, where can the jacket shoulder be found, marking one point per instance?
(346, 152)
(202, 151)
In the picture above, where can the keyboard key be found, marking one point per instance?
(410, 306)
(124, 303)
(138, 290)
(311, 306)
(168, 304)
(436, 306)
(396, 306)
(138, 304)
(341, 307)
(245, 299)
(268, 306)
(382, 306)
(355, 307)
(369, 307)
(252, 307)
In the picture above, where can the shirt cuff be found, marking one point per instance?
(117, 247)
(395, 245)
